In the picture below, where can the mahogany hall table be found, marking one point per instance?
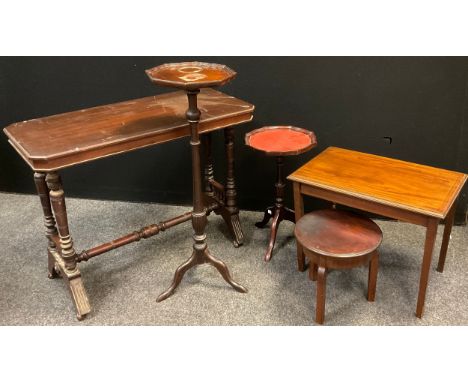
(401, 190)
(52, 143)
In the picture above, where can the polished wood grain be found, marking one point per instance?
(51, 143)
(334, 239)
(338, 233)
(63, 140)
(423, 189)
(401, 190)
(191, 75)
(215, 75)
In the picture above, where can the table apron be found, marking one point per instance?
(367, 205)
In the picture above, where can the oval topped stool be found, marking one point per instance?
(279, 141)
(334, 239)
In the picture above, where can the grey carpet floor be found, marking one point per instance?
(123, 285)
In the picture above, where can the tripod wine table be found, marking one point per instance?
(191, 77)
(279, 141)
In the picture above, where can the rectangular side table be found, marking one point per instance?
(56, 142)
(401, 190)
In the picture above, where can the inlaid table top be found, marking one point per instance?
(410, 186)
(191, 75)
(63, 140)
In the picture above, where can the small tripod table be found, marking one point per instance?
(191, 77)
(279, 141)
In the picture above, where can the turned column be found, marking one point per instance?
(57, 199)
(279, 185)
(49, 221)
(208, 168)
(231, 193)
(199, 212)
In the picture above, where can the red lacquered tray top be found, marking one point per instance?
(281, 140)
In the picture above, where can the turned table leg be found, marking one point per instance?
(232, 218)
(66, 258)
(49, 221)
(431, 233)
(208, 168)
(227, 204)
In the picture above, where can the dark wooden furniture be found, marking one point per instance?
(401, 190)
(333, 239)
(279, 141)
(191, 76)
(52, 143)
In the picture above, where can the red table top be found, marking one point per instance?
(281, 140)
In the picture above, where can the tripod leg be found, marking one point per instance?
(223, 269)
(274, 231)
(266, 217)
(289, 215)
(179, 274)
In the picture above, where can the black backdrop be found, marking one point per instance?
(408, 108)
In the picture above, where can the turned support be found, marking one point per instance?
(200, 253)
(225, 196)
(208, 168)
(65, 257)
(191, 76)
(279, 185)
(199, 219)
(231, 193)
(49, 221)
(144, 233)
(278, 212)
(57, 199)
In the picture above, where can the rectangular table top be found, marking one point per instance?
(64, 140)
(414, 187)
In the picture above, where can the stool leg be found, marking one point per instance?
(321, 292)
(372, 280)
(313, 271)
